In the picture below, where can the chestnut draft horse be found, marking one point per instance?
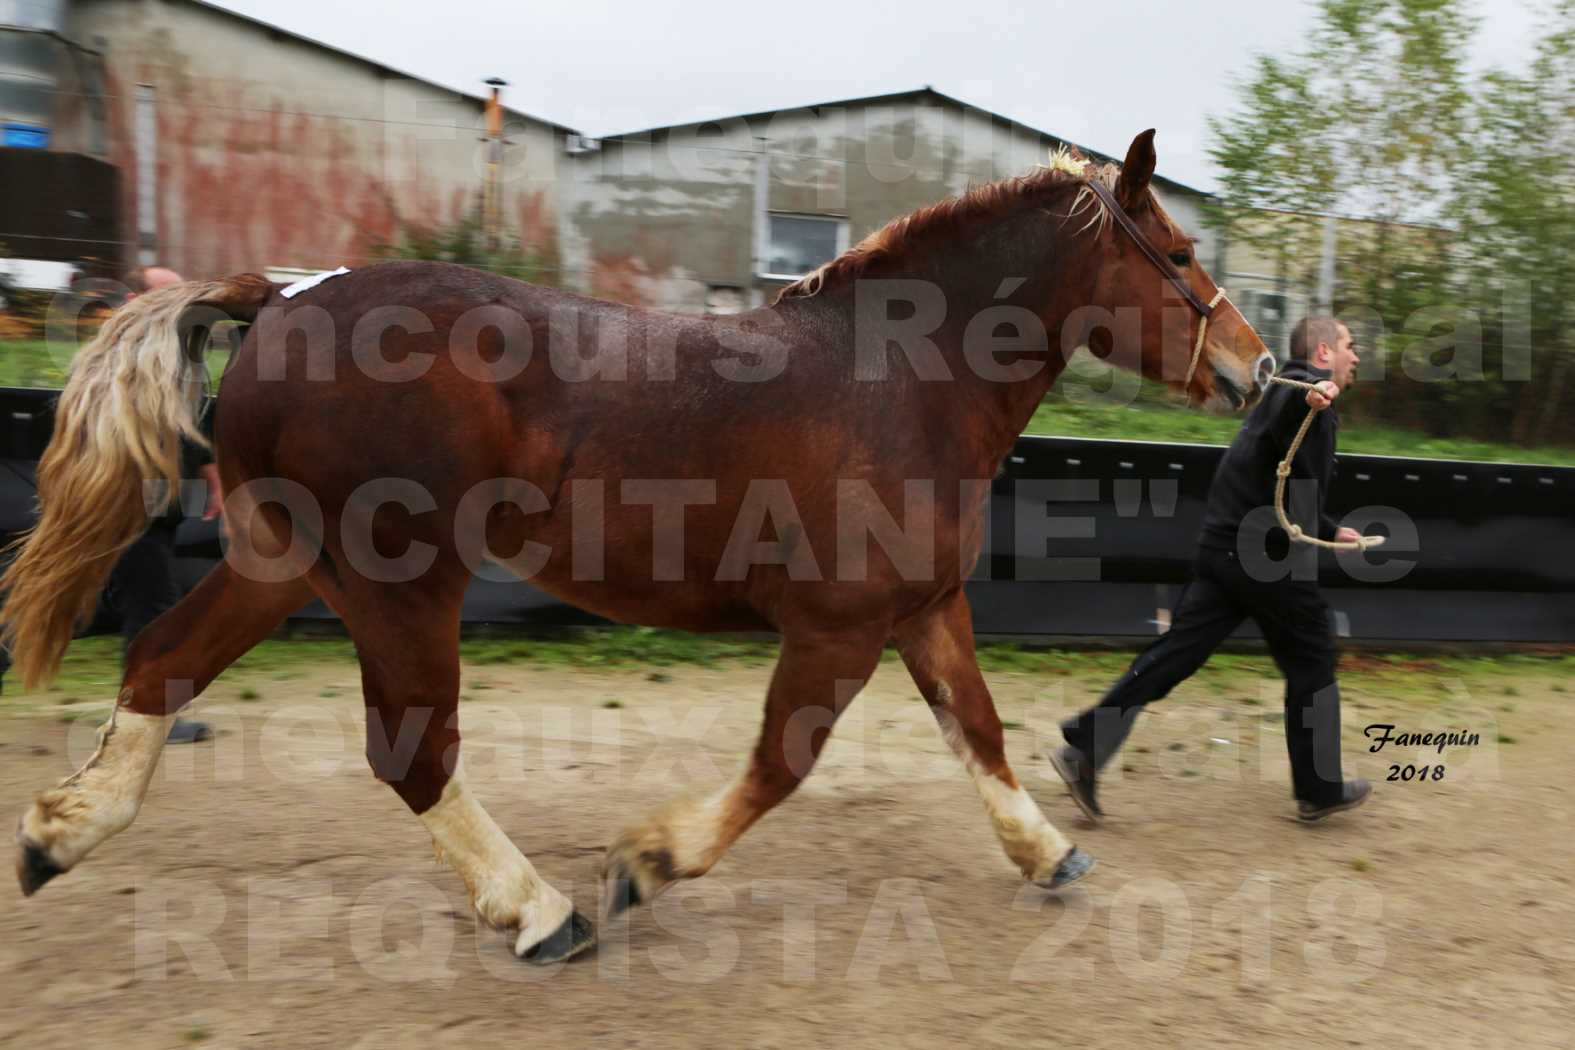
(630, 469)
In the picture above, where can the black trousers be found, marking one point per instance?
(142, 585)
(1294, 620)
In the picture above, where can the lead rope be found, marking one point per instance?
(1283, 471)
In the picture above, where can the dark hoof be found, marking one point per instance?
(34, 868)
(622, 894)
(1073, 867)
(575, 935)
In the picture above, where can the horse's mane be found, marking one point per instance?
(1067, 168)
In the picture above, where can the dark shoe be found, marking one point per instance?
(1081, 780)
(184, 732)
(1352, 794)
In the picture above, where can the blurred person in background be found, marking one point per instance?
(143, 585)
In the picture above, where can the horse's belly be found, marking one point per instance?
(616, 593)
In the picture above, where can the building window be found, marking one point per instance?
(800, 243)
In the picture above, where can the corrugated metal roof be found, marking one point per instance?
(919, 92)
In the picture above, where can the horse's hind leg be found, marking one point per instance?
(818, 673)
(193, 642)
(408, 640)
(938, 649)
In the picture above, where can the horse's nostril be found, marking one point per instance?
(1265, 371)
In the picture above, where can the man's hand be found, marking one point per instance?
(1322, 394)
(1346, 535)
(215, 507)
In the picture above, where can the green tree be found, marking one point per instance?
(1465, 188)
(465, 243)
(1515, 216)
(1365, 118)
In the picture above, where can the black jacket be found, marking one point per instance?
(193, 457)
(1244, 481)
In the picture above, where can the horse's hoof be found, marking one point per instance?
(575, 935)
(34, 868)
(1072, 867)
(633, 876)
(622, 892)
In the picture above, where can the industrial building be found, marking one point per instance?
(178, 132)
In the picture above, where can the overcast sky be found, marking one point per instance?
(1094, 72)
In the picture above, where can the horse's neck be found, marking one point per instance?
(976, 277)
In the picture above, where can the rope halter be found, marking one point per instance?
(1203, 331)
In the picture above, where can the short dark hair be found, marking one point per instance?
(141, 279)
(1309, 332)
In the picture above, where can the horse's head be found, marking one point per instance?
(1147, 263)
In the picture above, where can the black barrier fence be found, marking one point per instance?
(1094, 539)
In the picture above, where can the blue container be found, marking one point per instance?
(24, 136)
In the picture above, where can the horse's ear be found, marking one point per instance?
(1136, 170)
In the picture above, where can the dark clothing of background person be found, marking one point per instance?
(1239, 515)
(143, 584)
(1239, 523)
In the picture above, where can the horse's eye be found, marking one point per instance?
(1182, 259)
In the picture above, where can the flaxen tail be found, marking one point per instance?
(134, 392)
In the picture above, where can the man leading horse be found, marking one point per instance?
(1245, 567)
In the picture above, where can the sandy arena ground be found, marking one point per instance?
(272, 894)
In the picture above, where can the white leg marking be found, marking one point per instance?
(1031, 841)
(504, 887)
(102, 797)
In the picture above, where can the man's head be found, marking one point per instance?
(1325, 342)
(150, 278)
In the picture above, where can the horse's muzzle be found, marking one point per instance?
(1229, 389)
